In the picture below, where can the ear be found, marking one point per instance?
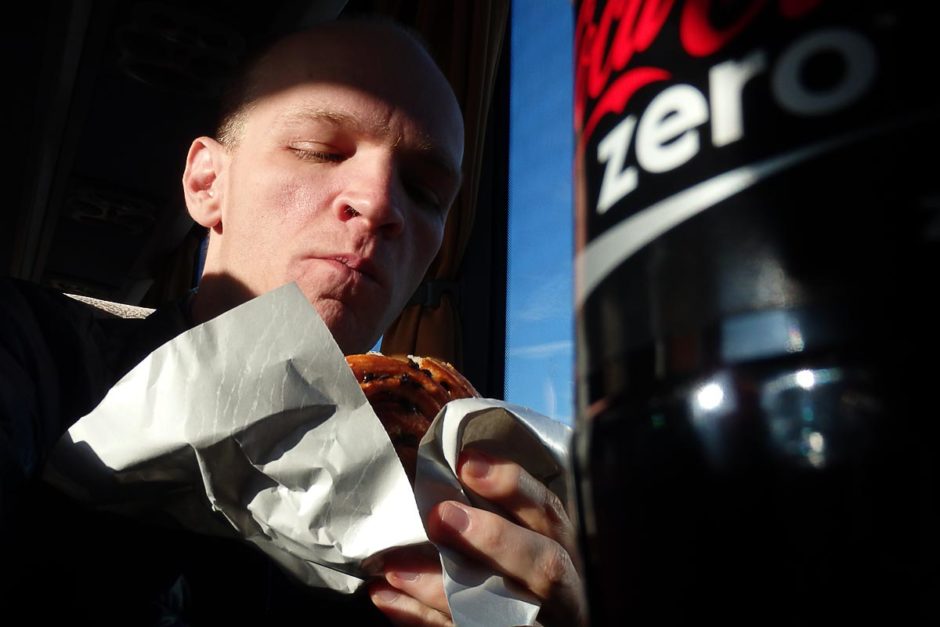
(205, 165)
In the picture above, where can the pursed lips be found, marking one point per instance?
(361, 265)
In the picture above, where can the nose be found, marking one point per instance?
(371, 195)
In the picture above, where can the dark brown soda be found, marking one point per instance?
(757, 432)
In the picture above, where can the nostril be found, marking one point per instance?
(350, 212)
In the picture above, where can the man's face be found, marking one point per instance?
(341, 181)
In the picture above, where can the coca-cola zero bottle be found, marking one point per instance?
(757, 193)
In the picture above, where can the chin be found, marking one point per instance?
(351, 332)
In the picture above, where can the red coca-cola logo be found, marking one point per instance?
(606, 44)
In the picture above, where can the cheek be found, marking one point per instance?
(429, 232)
(280, 202)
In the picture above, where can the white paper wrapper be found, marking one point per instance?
(257, 414)
(477, 596)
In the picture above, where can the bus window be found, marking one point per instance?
(539, 327)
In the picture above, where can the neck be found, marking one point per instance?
(217, 294)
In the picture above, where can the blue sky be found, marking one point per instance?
(539, 334)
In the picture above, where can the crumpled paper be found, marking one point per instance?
(476, 595)
(252, 425)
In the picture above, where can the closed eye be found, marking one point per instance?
(317, 156)
(424, 196)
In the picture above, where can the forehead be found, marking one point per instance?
(364, 78)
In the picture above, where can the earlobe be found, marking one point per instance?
(202, 182)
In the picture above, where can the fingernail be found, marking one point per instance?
(386, 595)
(476, 465)
(455, 517)
(404, 575)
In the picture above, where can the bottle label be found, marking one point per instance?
(682, 105)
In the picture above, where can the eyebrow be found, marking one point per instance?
(336, 118)
(426, 148)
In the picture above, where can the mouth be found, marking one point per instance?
(362, 266)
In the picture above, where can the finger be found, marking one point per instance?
(534, 560)
(522, 496)
(403, 610)
(418, 576)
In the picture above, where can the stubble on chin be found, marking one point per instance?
(351, 330)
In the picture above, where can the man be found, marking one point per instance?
(335, 167)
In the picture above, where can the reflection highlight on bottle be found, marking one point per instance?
(709, 397)
(805, 379)
(801, 410)
(710, 404)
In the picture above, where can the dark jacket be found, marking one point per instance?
(62, 561)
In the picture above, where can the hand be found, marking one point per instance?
(537, 548)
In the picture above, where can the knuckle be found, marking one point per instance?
(555, 568)
(554, 508)
(556, 516)
(491, 535)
